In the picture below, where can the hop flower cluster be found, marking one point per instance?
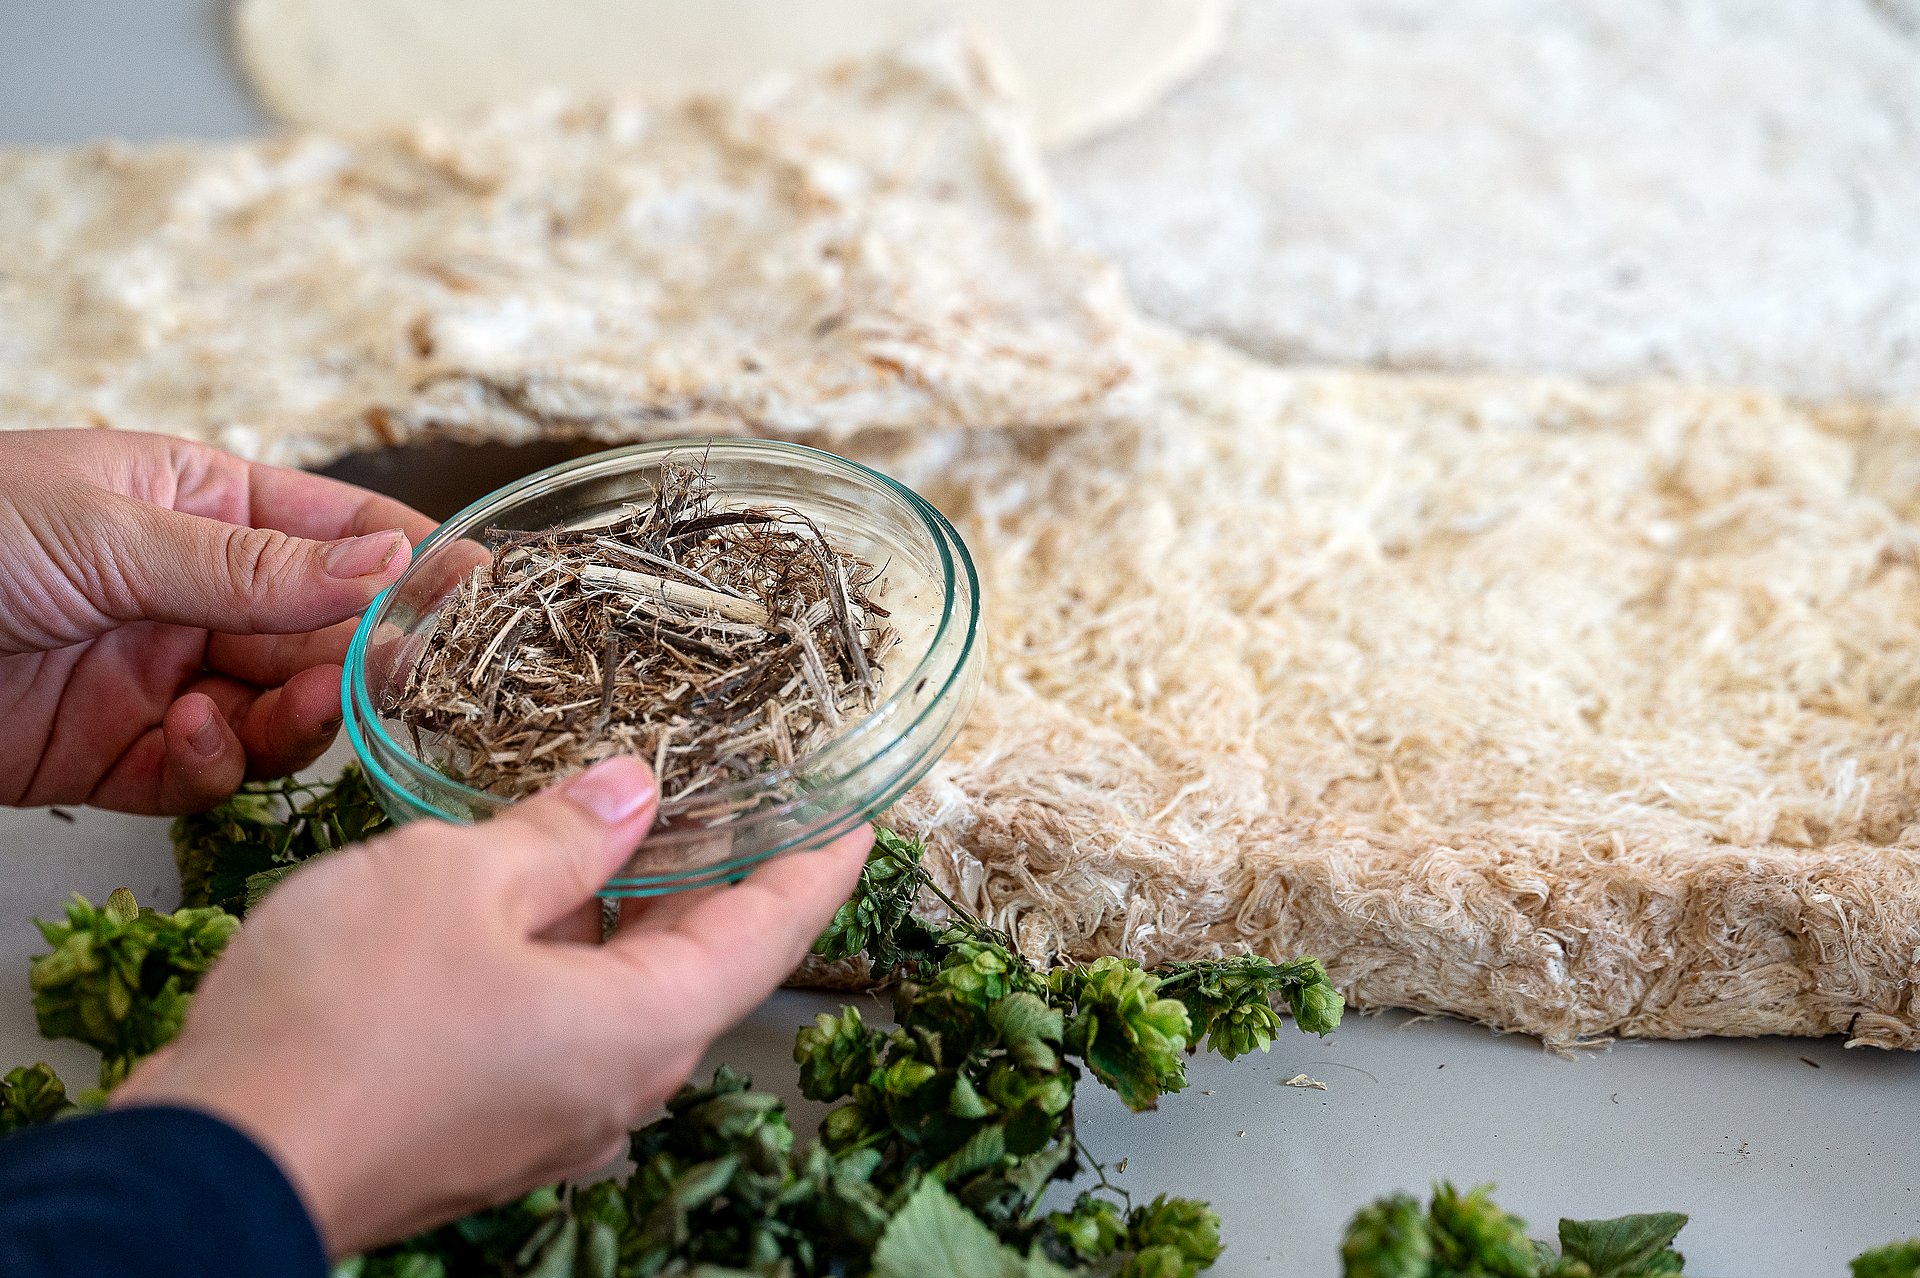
(120, 976)
(1467, 1235)
(946, 1130)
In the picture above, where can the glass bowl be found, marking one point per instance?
(929, 580)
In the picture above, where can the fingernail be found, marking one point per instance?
(362, 556)
(614, 790)
(206, 738)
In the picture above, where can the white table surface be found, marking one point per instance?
(1791, 1155)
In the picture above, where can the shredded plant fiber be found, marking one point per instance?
(1579, 712)
(718, 642)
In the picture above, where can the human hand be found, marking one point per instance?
(424, 1025)
(174, 616)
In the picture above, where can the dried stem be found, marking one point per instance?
(716, 643)
(648, 586)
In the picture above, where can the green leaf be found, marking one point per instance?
(698, 1184)
(1625, 1247)
(258, 885)
(554, 1258)
(1027, 1026)
(984, 1149)
(1030, 1129)
(268, 826)
(405, 1261)
(599, 1250)
(879, 919)
(933, 1236)
(965, 1102)
(1031, 1175)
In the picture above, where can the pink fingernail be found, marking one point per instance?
(362, 556)
(207, 737)
(614, 790)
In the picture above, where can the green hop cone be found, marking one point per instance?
(1093, 1230)
(30, 1095)
(835, 1054)
(1388, 1239)
(119, 977)
(1185, 1227)
(847, 1127)
(1472, 1235)
(904, 1077)
(879, 919)
(1009, 1086)
(850, 931)
(978, 973)
(1158, 1262)
(1244, 1028)
(1316, 1006)
(1132, 1039)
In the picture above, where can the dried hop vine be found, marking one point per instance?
(716, 642)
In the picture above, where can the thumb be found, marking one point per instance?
(555, 850)
(190, 571)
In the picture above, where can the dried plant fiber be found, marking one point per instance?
(868, 246)
(1582, 712)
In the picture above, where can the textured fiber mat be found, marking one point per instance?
(1577, 712)
(872, 246)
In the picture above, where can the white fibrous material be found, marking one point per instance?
(1719, 190)
(1579, 712)
(867, 246)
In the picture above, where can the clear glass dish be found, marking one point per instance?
(826, 792)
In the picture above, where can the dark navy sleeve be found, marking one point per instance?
(149, 1192)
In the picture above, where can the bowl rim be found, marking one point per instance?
(956, 564)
